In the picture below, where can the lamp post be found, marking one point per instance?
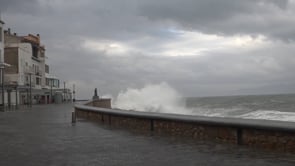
(51, 82)
(74, 93)
(2, 85)
(30, 74)
(64, 91)
(16, 98)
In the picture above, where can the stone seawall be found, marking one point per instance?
(264, 134)
(104, 103)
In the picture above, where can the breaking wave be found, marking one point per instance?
(152, 98)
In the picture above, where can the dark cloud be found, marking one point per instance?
(26, 6)
(131, 19)
(219, 74)
(226, 17)
(152, 27)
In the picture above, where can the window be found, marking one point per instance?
(46, 68)
(38, 81)
(35, 51)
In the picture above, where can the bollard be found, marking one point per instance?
(73, 117)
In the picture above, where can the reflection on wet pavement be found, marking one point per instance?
(44, 135)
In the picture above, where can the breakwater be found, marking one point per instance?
(266, 134)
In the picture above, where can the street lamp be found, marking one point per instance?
(16, 98)
(51, 82)
(2, 84)
(64, 91)
(74, 93)
(30, 74)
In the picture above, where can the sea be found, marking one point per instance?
(270, 107)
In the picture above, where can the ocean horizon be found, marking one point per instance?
(267, 106)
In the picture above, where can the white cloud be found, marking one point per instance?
(193, 43)
(200, 47)
(106, 47)
(184, 43)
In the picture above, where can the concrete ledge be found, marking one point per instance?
(257, 133)
(99, 102)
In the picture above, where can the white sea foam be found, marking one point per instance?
(152, 98)
(259, 114)
(163, 98)
(269, 115)
(217, 112)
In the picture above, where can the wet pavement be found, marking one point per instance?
(44, 135)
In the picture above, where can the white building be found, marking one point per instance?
(1, 41)
(27, 79)
(1, 63)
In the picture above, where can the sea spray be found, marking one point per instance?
(164, 99)
(152, 98)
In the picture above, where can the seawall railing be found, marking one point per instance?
(267, 134)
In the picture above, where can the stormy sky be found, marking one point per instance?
(199, 47)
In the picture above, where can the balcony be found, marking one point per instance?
(10, 80)
(36, 59)
(38, 73)
(28, 70)
(32, 83)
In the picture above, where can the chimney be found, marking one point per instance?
(8, 31)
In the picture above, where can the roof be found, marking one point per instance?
(2, 22)
(32, 39)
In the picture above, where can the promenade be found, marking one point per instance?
(44, 135)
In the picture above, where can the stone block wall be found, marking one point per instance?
(259, 136)
(102, 103)
(131, 123)
(196, 131)
(280, 140)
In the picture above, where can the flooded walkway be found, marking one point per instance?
(44, 135)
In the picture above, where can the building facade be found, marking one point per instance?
(27, 80)
(2, 96)
(1, 41)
